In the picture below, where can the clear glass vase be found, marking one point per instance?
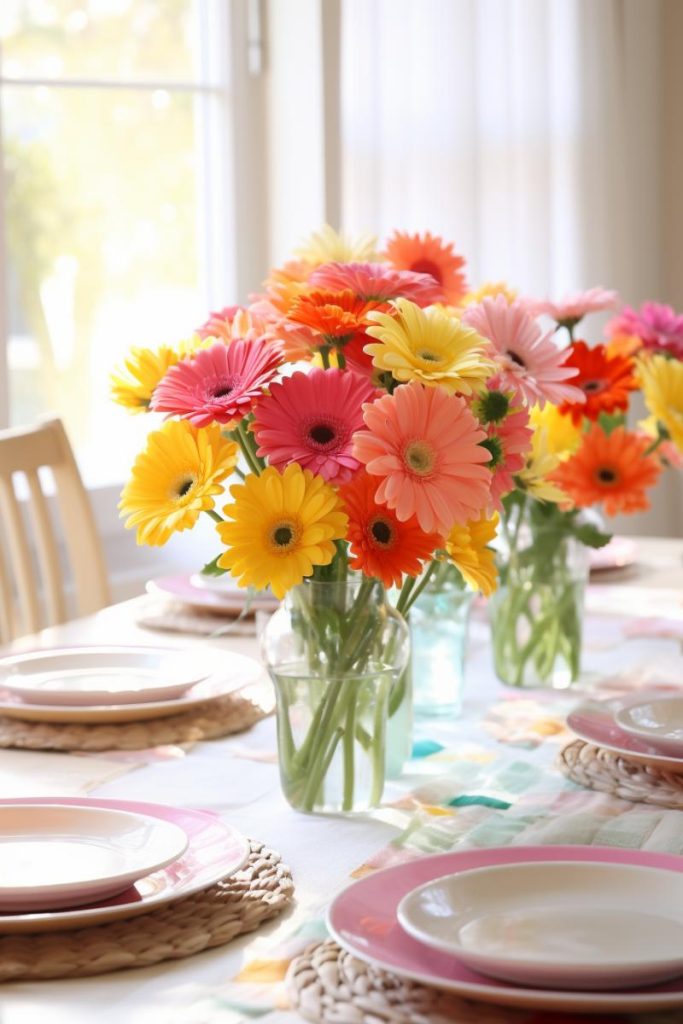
(438, 633)
(335, 652)
(536, 614)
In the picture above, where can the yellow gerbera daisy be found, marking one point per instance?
(280, 526)
(428, 346)
(489, 290)
(134, 385)
(175, 478)
(468, 549)
(662, 382)
(540, 463)
(562, 435)
(328, 246)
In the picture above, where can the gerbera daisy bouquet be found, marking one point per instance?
(593, 462)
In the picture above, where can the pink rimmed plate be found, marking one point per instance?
(594, 721)
(220, 595)
(618, 553)
(363, 919)
(215, 850)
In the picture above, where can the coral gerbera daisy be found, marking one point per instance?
(310, 418)
(219, 384)
(429, 254)
(425, 446)
(327, 245)
(381, 544)
(528, 359)
(662, 382)
(133, 386)
(468, 548)
(231, 324)
(658, 326)
(428, 346)
(573, 308)
(175, 478)
(605, 381)
(610, 468)
(280, 526)
(378, 282)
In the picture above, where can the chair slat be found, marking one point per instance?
(8, 629)
(48, 553)
(20, 556)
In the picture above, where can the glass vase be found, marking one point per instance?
(335, 652)
(438, 632)
(536, 614)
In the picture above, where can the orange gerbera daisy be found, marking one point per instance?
(382, 545)
(337, 316)
(604, 379)
(610, 468)
(429, 254)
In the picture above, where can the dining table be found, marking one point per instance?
(488, 776)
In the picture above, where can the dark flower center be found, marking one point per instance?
(283, 535)
(381, 532)
(607, 476)
(429, 357)
(495, 446)
(222, 391)
(592, 386)
(515, 358)
(185, 486)
(494, 407)
(321, 433)
(427, 267)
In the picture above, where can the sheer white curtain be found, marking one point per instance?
(526, 131)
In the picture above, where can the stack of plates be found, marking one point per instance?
(117, 684)
(571, 928)
(644, 727)
(68, 863)
(219, 594)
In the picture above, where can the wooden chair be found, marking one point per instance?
(33, 581)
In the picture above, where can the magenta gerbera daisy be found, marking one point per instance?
(379, 282)
(528, 359)
(425, 447)
(310, 418)
(218, 384)
(659, 327)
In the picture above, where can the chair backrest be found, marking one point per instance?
(33, 583)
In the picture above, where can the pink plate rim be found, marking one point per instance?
(362, 919)
(594, 721)
(180, 588)
(215, 850)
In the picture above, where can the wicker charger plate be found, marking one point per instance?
(218, 717)
(262, 889)
(596, 768)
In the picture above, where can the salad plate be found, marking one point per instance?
(53, 856)
(595, 721)
(363, 919)
(219, 594)
(214, 851)
(658, 721)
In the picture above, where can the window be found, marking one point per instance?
(116, 130)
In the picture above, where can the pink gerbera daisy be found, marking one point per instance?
(528, 359)
(509, 443)
(378, 282)
(575, 307)
(218, 384)
(659, 327)
(425, 446)
(310, 418)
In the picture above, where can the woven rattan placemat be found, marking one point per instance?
(327, 984)
(218, 717)
(262, 889)
(597, 768)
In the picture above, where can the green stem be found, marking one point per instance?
(349, 758)
(417, 590)
(251, 458)
(217, 518)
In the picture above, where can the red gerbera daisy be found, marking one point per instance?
(429, 254)
(609, 468)
(604, 379)
(380, 544)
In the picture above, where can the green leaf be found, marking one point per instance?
(591, 536)
(213, 568)
(610, 421)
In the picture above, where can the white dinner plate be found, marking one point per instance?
(658, 721)
(216, 851)
(54, 856)
(104, 675)
(595, 721)
(220, 595)
(560, 924)
(237, 672)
